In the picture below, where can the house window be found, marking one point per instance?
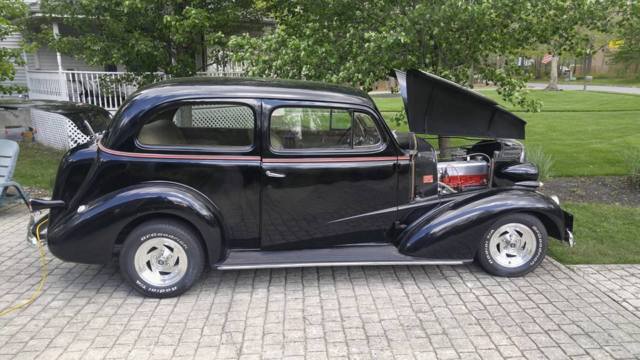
(211, 125)
(322, 128)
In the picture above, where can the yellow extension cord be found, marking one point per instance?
(43, 278)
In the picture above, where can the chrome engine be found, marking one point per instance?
(461, 175)
(485, 164)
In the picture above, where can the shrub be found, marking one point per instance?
(632, 158)
(543, 161)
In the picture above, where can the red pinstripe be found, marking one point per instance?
(250, 158)
(179, 156)
(330, 159)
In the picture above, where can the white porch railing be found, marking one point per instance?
(231, 69)
(105, 89)
(46, 85)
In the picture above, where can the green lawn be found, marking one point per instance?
(605, 234)
(580, 101)
(586, 133)
(585, 144)
(37, 165)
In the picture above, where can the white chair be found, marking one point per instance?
(9, 151)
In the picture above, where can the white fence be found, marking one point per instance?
(105, 89)
(231, 69)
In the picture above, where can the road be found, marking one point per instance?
(602, 88)
(541, 86)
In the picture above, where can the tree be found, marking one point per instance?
(12, 15)
(629, 32)
(553, 74)
(358, 43)
(144, 35)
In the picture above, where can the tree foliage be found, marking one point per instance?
(339, 41)
(569, 26)
(143, 35)
(12, 14)
(358, 43)
(629, 31)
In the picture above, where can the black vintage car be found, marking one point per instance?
(247, 173)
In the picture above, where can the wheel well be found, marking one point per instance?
(549, 225)
(122, 236)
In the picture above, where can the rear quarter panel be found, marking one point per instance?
(89, 235)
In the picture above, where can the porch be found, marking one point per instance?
(101, 88)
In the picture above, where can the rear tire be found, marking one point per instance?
(514, 245)
(162, 258)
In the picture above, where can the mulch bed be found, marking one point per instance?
(613, 190)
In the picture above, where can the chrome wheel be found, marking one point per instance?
(161, 261)
(512, 245)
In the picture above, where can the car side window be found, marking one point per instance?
(296, 128)
(365, 132)
(211, 125)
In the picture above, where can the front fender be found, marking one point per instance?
(454, 229)
(88, 234)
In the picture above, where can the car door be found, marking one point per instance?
(328, 175)
(210, 145)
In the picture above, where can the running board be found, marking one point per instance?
(356, 255)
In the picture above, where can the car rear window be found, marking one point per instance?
(294, 128)
(211, 125)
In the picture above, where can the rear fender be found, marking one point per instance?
(88, 233)
(454, 229)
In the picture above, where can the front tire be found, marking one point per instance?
(514, 245)
(162, 258)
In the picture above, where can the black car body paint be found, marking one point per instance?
(317, 199)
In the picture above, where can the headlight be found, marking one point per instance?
(555, 199)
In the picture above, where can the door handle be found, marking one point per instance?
(274, 174)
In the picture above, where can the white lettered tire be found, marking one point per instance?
(162, 258)
(514, 245)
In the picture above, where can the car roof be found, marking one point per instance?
(264, 88)
(127, 120)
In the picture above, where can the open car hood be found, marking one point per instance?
(437, 106)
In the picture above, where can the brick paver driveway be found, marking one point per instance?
(86, 311)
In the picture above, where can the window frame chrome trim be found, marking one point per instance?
(253, 104)
(380, 147)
